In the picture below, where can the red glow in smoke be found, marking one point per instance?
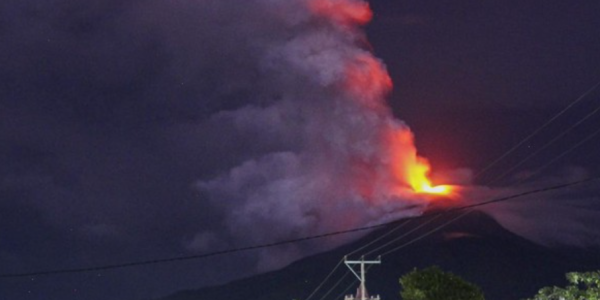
(368, 82)
(367, 78)
(345, 12)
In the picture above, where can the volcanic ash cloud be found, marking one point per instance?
(348, 162)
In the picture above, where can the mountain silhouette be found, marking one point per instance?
(475, 247)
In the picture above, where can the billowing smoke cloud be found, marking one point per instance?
(141, 129)
(196, 125)
(349, 162)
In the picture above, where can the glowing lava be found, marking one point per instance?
(418, 180)
(408, 167)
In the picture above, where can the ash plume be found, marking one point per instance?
(157, 128)
(343, 156)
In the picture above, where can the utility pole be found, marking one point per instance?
(362, 277)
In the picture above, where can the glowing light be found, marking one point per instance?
(410, 168)
(419, 181)
(367, 78)
(439, 189)
(343, 11)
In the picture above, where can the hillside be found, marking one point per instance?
(476, 247)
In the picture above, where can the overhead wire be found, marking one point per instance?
(536, 131)
(380, 238)
(468, 209)
(345, 291)
(399, 226)
(389, 232)
(296, 240)
(428, 233)
(325, 280)
(423, 224)
(563, 154)
(555, 139)
(335, 285)
(508, 152)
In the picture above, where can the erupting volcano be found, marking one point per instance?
(350, 161)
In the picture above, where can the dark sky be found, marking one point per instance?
(116, 119)
(481, 69)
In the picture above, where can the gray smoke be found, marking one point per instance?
(141, 129)
(334, 167)
(197, 125)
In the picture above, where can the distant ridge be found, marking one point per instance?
(476, 247)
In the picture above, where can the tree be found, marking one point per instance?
(583, 286)
(434, 284)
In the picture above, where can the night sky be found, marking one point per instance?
(134, 130)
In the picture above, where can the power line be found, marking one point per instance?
(535, 132)
(469, 210)
(574, 147)
(405, 234)
(401, 225)
(401, 246)
(405, 222)
(325, 280)
(558, 137)
(336, 285)
(290, 241)
(428, 233)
